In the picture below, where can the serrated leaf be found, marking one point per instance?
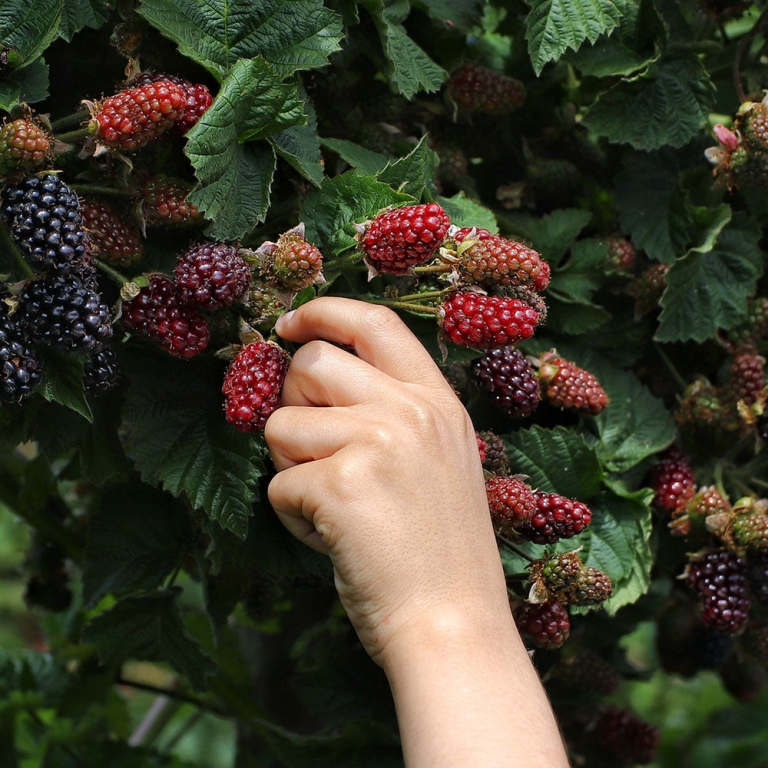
(235, 181)
(63, 382)
(583, 273)
(554, 26)
(329, 212)
(708, 290)
(609, 57)
(29, 84)
(652, 205)
(290, 34)
(149, 629)
(665, 106)
(465, 212)
(553, 234)
(413, 173)
(299, 145)
(82, 13)
(411, 70)
(185, 444)
(29, 26)
(574, 317)
(556, 461)
(134, 542)
(459, 14)
(367, 162)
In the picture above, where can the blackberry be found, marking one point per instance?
(555, 518)
(510, 501)
(506, 375)
(672, 480)
(101, 371)
(622, 732)
(211, 275)
(546, 625)
(64, 311)
(19, 367)
(45, 221)
(495, 459)
(719, 577)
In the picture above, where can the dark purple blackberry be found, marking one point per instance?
(509, 379)
(709, 648)
(44, 218)
(555, 518)
(64, 312)
(211, 275)
(719, 577)
(622, 732)
(757, 572)
(101, 371)
(19, 366)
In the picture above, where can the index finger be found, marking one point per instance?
(378, 335)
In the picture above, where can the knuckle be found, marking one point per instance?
(375, 318)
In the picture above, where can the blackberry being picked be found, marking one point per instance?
(506, 375)
(64, 311)
(45, 221)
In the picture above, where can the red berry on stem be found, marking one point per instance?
(211, 275)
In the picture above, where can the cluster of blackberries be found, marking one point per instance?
(60, 306)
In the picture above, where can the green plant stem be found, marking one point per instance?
(71, 119)
(433, 269)
(96, 189)
(76, 135)
(517, 550)
(26, 270)
(111, 272)
(410, 307)
(425, 295)
(177, 695)
(670, 366)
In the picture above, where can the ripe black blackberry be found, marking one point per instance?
(19, 366)
(63, 311)
(45, 221)
(509, 379)
(101, 371)
(719, 577)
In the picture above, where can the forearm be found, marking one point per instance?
(467, 694)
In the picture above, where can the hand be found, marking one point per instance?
(378, 466)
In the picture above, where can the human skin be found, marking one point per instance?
(378, 467)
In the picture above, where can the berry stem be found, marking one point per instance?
(517, 550)
(77, 134)
(432, 269)
(425, 295)
(670, 366)
(72, 119)
(96, 189)
(410, 307)
(111, 272)
(26, 270)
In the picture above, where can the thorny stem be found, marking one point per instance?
(111, 272)
(26, 270)
(744, 44)
(72, 119)
(517, 550)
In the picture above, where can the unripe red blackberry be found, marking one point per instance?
(496, 459)
(703, 407)
(622, 255)
(253, 385)
(157, 314)
(135, 117)
(164, 203)
(101, 372)
(292, 263)
(690, 518)
(197, 98)
(648, 288)
(672, 480)
(591, 587)
(479, 89)
(566, 385)
(399, 239)
(494, 261)
(555, 518)
(510, 501)
(506, 375)
(45, 221)
(63, 311)
(546, 625)
(211, 275)
(748, 526)
(719, 577)
(475, 320)
(746, 377)
(626, 735)
(111, 238)
(24, 145)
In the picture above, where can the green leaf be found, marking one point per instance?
(410, 69)
(149, 629)
(29, 26)
(707, 290)
(29, 84)
(556, 461)
(235, 181)
(583, 273)
(63, 382)
(330, 211)
(461, 14)
(652, 205)
(290, 34)
(82, 13)
(299, 145)
(666, 105)
(465, 212)
(413, 173)
(185, 444)
(367, 162)
(574, 317)
(609, 57)
(551, 235)
(553, 26)
(135, 541)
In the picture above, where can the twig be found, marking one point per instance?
(174, 694)
(517, 550)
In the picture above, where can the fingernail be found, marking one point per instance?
(283, 319)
